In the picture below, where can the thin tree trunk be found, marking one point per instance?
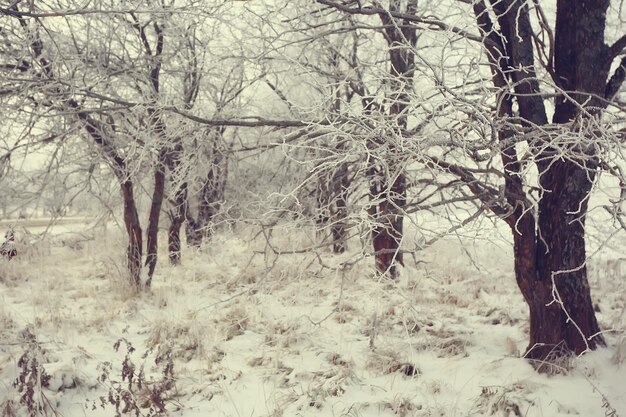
(388, 231)
(211, 197)
(131, 217)
(179, 203)
(323, 204)
(154, 217)
(159, 129)
(95, 129)
(339, 181)
(133, 229)
(176, 222)
(212, 194)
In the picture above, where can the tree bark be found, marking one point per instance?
(133, 229)
(176, 221)
(339, 183)
(562, 310)
(154, 217)
(193, 232)
(387, 235)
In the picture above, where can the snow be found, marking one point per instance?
(251, 334)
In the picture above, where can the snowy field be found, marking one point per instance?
(235, 331)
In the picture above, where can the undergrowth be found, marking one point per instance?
(132, 392)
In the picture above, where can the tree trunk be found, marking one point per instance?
(212, 194)
(322, 214)
(176, 221)
(561, 312)
(133, 228)
(551, 268)
(211, 197)
(96, 130)
(550, 258)
(159, 130)
(193, 232)
(388, 231)
(154, 217)
(131, 217)
(173, 241)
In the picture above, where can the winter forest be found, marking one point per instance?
(313, 208)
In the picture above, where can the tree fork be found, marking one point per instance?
(550, 258)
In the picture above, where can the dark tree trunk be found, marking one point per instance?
(191, 87)
(133, 229)
(98, 132)
(338, 184)
(550, 257)
(131, 219)
(387, 235)
(391, 187)
(388, 227)
(178, 204)
(561, 313)
(551, 268)
(159, 130)
(323, 204)
(212, 194)
(173, 241)
(562, 310)
(158, 194)
(553, 279)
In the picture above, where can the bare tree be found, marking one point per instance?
(547, 217)
(388, 180)
(50, 91)
(550, 257)
(83, 80)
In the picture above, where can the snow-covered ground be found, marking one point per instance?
(234, 331)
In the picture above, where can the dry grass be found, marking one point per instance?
(503, 401)
(312, 341)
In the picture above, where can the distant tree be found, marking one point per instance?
(102, 76)
(47, 90)
(383, 84)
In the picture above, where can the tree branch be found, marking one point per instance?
(616, 48)
(616, 81)
(14, 12)
(408, 17)
(486, 194)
